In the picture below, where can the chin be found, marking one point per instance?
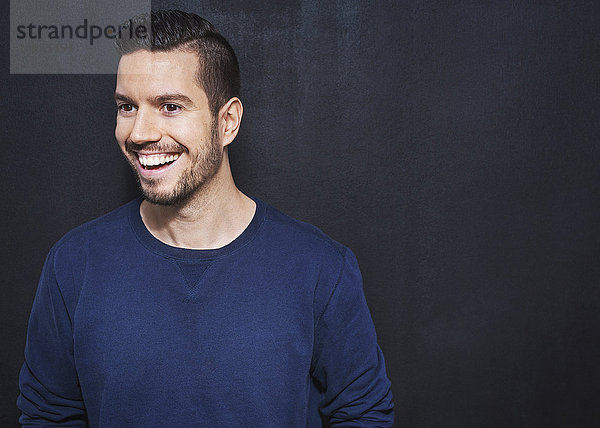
(166, 200)
(181, 194)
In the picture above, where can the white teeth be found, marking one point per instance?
(153, 160)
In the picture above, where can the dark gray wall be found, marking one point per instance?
(452, 145)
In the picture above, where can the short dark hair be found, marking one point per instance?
(218, 71)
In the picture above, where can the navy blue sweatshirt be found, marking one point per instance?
(270, 330)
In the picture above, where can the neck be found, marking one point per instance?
(210, 219)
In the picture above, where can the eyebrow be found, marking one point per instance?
(124, 98)
(158, 99)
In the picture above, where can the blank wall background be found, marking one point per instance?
(452, 145)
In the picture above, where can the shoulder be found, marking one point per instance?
(67, 262)
(294, 242)
(300, 236)
(326, 264)
(102, 232)
(108, 222)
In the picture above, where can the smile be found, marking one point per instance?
(157, 160)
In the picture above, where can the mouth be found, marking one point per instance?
(156, 161)
(153, 165)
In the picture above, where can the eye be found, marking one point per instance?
(171, 108)
(125, 108)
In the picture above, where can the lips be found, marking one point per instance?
(153, 165)
(156, 159)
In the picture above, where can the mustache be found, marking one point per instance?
(132, 147)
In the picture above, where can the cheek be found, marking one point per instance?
(121, 133)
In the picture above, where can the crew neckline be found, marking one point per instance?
(159, 247)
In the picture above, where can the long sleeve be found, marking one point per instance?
(50, 393)
(348, 364)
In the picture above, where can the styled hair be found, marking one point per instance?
(218, 71)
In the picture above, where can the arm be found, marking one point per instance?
(50, 393)
(348, 364)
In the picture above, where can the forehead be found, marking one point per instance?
(158, 72)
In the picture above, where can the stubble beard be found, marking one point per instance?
(203, 167)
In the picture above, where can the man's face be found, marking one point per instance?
(164, 125)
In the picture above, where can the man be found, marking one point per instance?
(196, 305)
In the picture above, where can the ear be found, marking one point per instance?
(230, 118)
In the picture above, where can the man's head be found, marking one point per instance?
(177, 105)
(167, 30)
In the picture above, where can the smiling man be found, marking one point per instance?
(196, 305)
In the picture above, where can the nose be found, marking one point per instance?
(145, 129)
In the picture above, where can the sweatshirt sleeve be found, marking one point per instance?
(50, 393)
(348, 364)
